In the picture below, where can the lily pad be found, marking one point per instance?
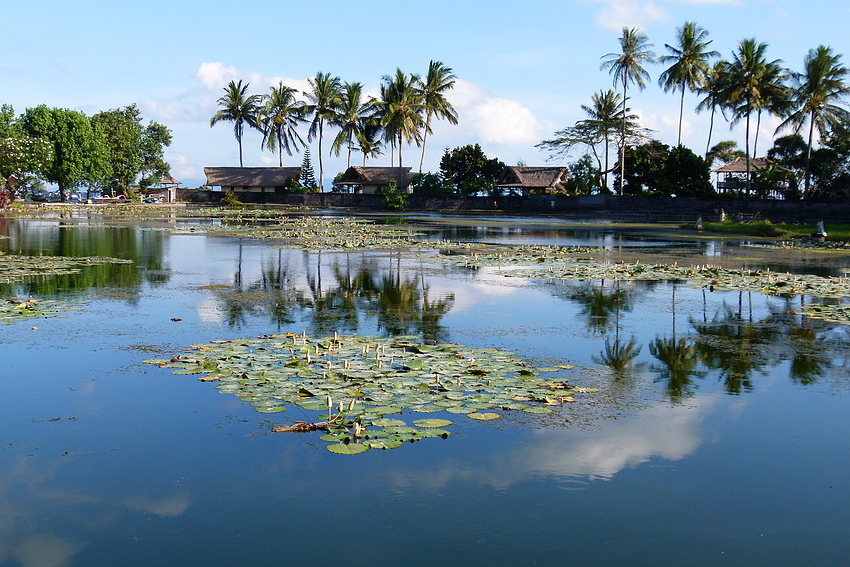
(484, 416)
(428, 423)
(349, 449)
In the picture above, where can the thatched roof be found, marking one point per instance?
(251, 176)
(527, 178)
(374, 176)
(739, 165)
(168, 180)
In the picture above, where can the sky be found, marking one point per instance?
(524, 69)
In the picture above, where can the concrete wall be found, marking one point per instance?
(673, 209)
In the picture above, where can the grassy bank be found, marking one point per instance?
(765, 228)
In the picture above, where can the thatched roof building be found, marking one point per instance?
(539, 180)
(253, 179)
(372, 180)
(739, 165)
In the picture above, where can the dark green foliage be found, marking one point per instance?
(80, 148)
(469, 171)
(232, 201)
(430, 184)
(645, 169)
(308, 176)
(687, 174)
(393, 198)
(584, 177)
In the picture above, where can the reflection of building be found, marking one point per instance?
(252, 179)
(373, 180)
(533, 180)
(767, 178)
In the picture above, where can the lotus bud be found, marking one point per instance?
(330, 404)
(351, 405)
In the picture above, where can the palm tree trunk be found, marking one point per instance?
(747, 143)
(349, 152)
(623, 140)
(756, 140)
(809, 155)
(681, 113)
(321, 168)
(424, 139)
(710, 128)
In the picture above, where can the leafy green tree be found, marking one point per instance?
(628, 67)
(325, 93)
(687, 174)
(155, 138)
(470, 171)
(646, 169)
(583, 176)
(123, 130)
(817, 97)
(351, 119)
(22, 157)
(437, 82)
(279, 118)
(430, 184)
(725, 151)
(689, 64)
(239, 107)
(79, 147)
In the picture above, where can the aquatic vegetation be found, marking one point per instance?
(17, 309)
(15, 268)
(356, 381)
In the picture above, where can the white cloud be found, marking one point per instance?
(164, 508)
(619, 14)
(216, 75)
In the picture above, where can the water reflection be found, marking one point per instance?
(340, 293)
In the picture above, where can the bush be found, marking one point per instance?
(232, 201)
(393, 199)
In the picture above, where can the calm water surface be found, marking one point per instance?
(725, 442)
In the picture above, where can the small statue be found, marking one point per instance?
(820, 232)
(699, 224)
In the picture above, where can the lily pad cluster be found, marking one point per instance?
(478, 255)
(16, 309)
(15, 268)
(355, 382)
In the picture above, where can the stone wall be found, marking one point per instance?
(671, 209)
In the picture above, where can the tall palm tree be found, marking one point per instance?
(400, 111)
(350, 118)
(774, 96)
(438, 80)
(238, 107)
(816, 96)
(370, 143)
(627, 67)
(604, 117)
(689, 64)
(279, 118)
(745, 87)
(714, 89)
(324, 96)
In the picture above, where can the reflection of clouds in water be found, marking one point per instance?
(209, 311)
(165, 508)
(669, 433)
(663, 432)
(45, 551)
(470, 293)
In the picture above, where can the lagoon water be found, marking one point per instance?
(725, 442)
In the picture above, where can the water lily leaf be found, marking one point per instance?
(431, 423)
(350, 449)
(388, 422)
(484, 416)
(383, 443)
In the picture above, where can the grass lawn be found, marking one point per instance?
(765, 228)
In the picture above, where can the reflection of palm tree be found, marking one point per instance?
(617, 356)
(680, 358)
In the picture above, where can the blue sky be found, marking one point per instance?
(524, 68)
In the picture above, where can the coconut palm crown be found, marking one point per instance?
(238, 107)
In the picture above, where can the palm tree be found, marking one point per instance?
(689, 64)
(238, 108)
(400, 112)
(279, 118)
(438, 80)
(324, 96)
(627, 67)
(714, 89)
(350, 118)
(816, 95)
(774, 96)
(604, 117)
(745, 88)
(370, 143)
